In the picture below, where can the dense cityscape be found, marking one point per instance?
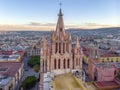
(17, 47)
(63, 58)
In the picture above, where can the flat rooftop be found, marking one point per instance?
(4, 80)
(9, 68)
(107, 85)
(9, 57)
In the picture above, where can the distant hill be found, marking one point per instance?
(103, 32)
(100, 29)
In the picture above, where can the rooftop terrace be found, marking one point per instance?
(69, 82)
(9, 68)
(5, 58)
(107, 85)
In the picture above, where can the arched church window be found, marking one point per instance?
(95, 75)
(59, 64)
(64, 63)
(59, 47)
(77, 62)
(55, 64)
(67, 47)
(115, 72)
(56, 48)
(68, 63)
(45, 65)
(63, 47)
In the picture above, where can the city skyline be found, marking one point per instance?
(41, 15)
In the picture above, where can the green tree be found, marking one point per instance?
(28, 83)
(36, 68)
(34, 60)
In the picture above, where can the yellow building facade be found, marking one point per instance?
(103, 58)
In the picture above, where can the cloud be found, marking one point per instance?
(23, 27)
(71, 26)
(96, 25)
(29, 26)
(41, 24)
(34, 26)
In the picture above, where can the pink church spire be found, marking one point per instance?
(60, 24)
(77, 42)
(44, 42)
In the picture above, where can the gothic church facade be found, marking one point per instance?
(59, 56)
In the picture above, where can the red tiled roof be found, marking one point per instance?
(11, 52)
(6, 52)
(107, 84)
(20, 52)
(13, 68)
(108, 55)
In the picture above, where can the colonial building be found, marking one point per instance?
(103, 73)
(10, 75)
(59, 56)
(33, 51)
(103, 55)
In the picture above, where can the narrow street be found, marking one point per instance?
(28, 72)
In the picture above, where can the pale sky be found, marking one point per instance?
(42, 14)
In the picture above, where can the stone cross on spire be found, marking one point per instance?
(60, 5)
